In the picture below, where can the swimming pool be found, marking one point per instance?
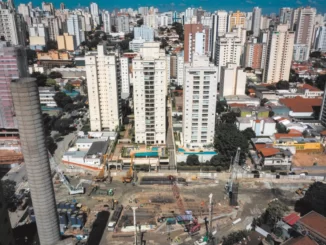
(147, 154)
(197, 153)
(155, 148)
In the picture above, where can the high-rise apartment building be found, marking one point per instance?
(125, 82)
(219, 28)
(195, 40)
(12, 27)
(180, 68)
(305, 27)
(237, 19)
(286, 15)
(13, 65)
(249, 21)
(53, 27)
(144, 32)
(123, 23)
(255, 54)
(199, 102)
(256, 18)
(48, 7)
(320, 43)
(74, 27)
(143, 10)
(149, 86)
(300, 52)
(233, 80)
(150, 20)
(5, 227)
(38, 36)
(95, 13)
(228, 50)
(106, 18)
(279, 55)
(104, 89)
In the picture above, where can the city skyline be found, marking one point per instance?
(209, 5)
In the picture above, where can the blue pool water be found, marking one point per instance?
(155, 148)
(146, 154)
(197, 153)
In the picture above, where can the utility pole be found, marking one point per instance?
(210, 213)
(134, 213)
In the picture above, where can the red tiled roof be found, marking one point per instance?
(291, 134)
(251, 90)
(267, 152)
(315, 222)
(323, 133)
(291, 219)
(302, 240)
(299, 104)
(311, 88)
(237, 105)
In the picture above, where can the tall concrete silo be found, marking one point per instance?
(31, 130)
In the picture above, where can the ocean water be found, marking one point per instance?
(268, 6)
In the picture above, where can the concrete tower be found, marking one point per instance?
(28, 112)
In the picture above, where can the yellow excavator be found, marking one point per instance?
(129, 176)
(101, 175)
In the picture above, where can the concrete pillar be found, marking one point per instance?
(31, 130)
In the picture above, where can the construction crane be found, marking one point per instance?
(101, 175)
(73, 190)
(129, 176)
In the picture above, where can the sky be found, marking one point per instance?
(268, 6)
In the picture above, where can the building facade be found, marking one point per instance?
(13, 65)
(144, 32)
(255, 54)
(199, 100)
(237, 19)
(104, 89)
(123, 24)
(279, 55)
(233, 80)
(125, 82)
(256, 18)
(149, 86)
(66, 42)
(320, 43)
(106, 18)
(195, 40)
(74, 27)
(219, 28)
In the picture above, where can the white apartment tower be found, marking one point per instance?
(228, 50)
(149, 86)
(106, 21)
(199, 102)
(320, 43)
(233, 80)
(12, 26)
(219, 28)
(279, 55)
(256, 18)
(103, 85)
(123, 24)
(74, 27)
(125, 82)
(180, 68)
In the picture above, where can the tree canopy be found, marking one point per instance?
(320, 82)
(62, 99)
(69, 87)
(234, 237)
(179, 30)
(314, 199)
(55, 74)
(63, 125)
(50, 144)
(192, 160)
(282, 84)
(274, 213)
(227, 140)
(248, 133)
(229, 117)
(40, 78)
(263, 101)
(9, 188)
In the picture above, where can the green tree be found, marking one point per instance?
(124, 45)
(234, 237)
(315, 54)
(274, 213)
(9, 188)
(69, 87)
(50, 82)
(221, 106)
(320, 82)
(52, 45)
(192, 160)
(63, 125)
(248, 133)
(281, 129)
(50, 144)
(179, 30)
(55, 74)
(282, 84)
(314, 199)
(62, 99)
(229, 117)
(227, 140)
(140, 22)
(40, 78)
(263, 101)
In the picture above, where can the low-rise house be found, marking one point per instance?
(303, 107)
(46, 95)
(312, 225)
(261, 126)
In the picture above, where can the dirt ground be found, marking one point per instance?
(301, 159)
